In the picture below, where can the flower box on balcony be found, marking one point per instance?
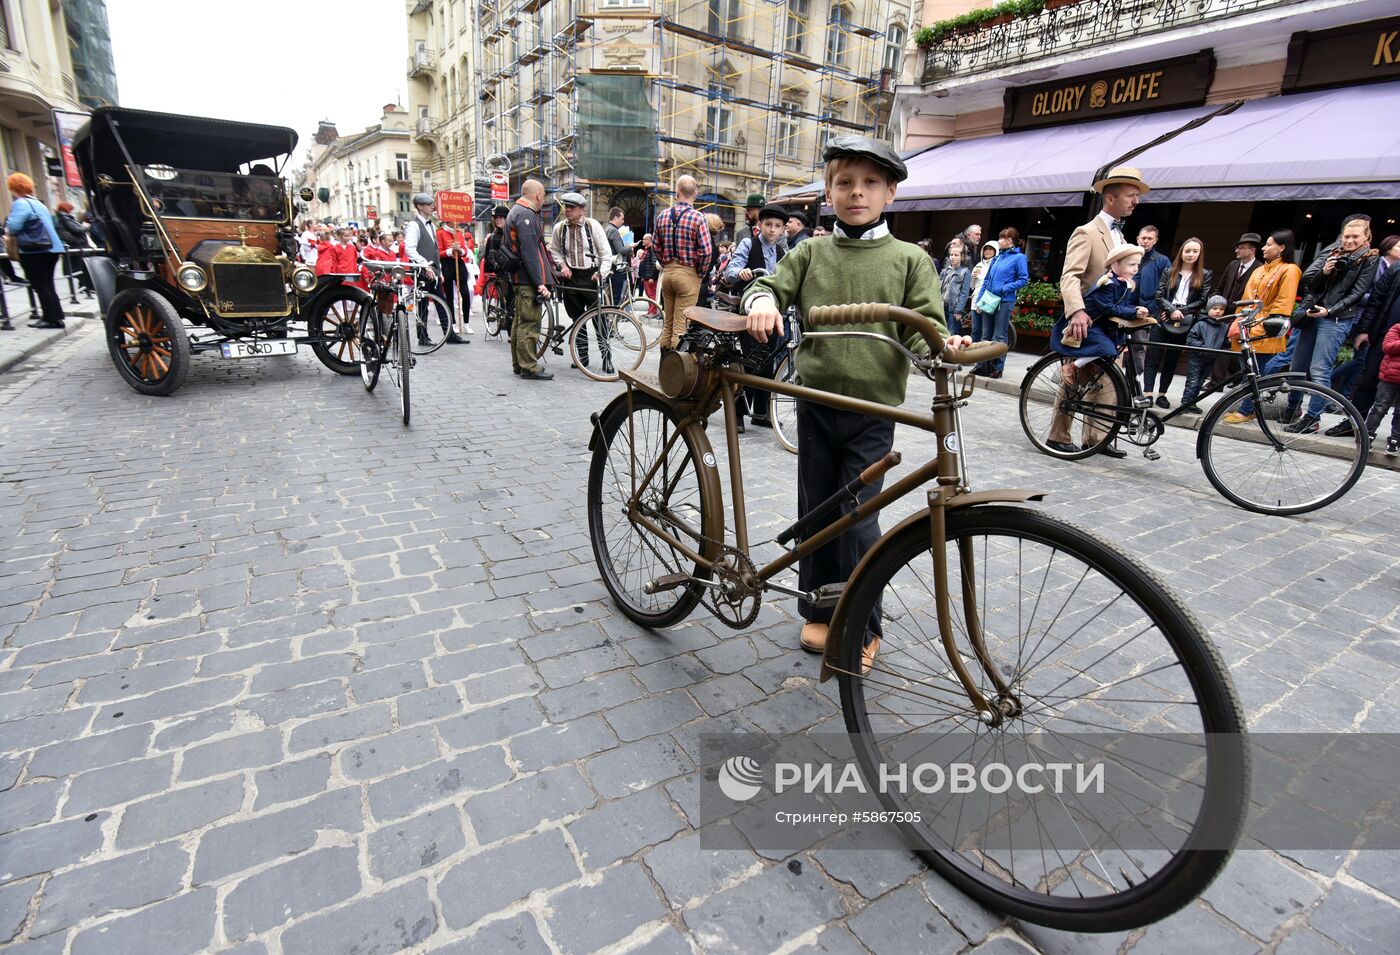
(1057, 4)
(996, 21)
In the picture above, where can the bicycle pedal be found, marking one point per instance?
(827, 596)
(1151, 454)
(668, 582)
(1142, 402)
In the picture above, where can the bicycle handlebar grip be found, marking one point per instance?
(975, 353)
(877, 470)
(869, 313)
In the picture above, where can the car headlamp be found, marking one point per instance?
(191, 277)
(303, 279)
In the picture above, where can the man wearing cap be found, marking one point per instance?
(582, 255)
(1231, 285)
(682, 241)
(798, 228)
(752, 207)
(420, 242)
(1085, 264)
(532, 278)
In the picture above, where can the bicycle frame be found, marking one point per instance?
(946, 470)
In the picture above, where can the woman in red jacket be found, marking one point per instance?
(1388, 392)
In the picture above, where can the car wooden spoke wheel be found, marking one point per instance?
(335, 330)
(147, 341)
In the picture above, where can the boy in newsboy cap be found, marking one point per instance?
(860, 262)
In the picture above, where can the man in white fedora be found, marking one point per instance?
(1085, 260)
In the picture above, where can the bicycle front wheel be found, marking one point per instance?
(493, 303)
(782, 410)
(1081, 413)
(1095, 654)
(371, 338)
(551, 328)
(401, 357)
(432, 323)
(682, 498)
(605, 342)
(1279, 472)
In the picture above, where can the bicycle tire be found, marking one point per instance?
(493, 306)
(371, 347)
(1124, 901)
(1039, 393)
(696, 501)
(551, 327)
(782, 410)
(427, 323)
(405, 363)
(627, 342)
(650, 317)
(1326, 482)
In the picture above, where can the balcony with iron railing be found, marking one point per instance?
(1072, 27)
(427, 128)
(420, 62)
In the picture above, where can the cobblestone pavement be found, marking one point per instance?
(279, 675)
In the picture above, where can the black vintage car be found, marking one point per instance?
(201, 248)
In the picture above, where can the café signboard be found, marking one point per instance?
(1165, 84)
(1357, 53)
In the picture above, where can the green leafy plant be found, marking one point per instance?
(1031, 321)
(974, 19)
(1039, 293)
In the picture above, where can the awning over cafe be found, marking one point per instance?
(1333, 144)
(1039, 167)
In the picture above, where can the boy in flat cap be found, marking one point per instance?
(860, 262)
(763, 251)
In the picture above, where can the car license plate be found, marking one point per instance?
(260, 349)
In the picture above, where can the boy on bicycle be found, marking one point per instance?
(860, 262)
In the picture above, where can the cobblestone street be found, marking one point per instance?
(279, 675)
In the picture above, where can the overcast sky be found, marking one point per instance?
(283, 62)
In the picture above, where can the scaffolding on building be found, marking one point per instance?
(831, 76)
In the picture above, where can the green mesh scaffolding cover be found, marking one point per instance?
(616, 129)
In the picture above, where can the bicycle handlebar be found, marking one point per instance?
(870, 313)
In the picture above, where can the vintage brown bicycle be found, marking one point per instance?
(996, 620)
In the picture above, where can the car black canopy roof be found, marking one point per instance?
(185, 142)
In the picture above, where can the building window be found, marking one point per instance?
(894, 49)
(405, 209)
(724, 17)
(626, 3)
(718, 117)
(798, 11)
(401, 167)
(787, 130)
(836, 29)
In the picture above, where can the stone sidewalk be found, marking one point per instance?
(22, 342)
(278, 675)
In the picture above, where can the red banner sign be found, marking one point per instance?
(500, 184)
(371, 212)
(454, 206)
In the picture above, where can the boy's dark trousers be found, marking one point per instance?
(1195, 374)
(833, 447)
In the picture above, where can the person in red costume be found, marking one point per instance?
(452, 245)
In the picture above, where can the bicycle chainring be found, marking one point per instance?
(740, 594)
(1143, 428)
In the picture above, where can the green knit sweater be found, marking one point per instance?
(832, 270)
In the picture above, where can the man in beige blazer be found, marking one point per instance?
(1089, 246)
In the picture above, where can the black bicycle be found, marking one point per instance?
(1253, 462)
(385, 336)
(497, 303)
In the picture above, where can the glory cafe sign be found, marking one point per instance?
(1166, 84)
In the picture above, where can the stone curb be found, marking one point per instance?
(75, 324)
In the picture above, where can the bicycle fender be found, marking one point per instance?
(1234, 393)
(914, 523)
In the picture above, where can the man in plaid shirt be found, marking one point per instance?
(683, 247)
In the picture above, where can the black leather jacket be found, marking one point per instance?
(1382, 308)
(1195, 305)
(1341, 293)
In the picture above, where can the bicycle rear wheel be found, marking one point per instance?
(371, 338)
(625, 340)
(1288, 474)
(432, 323)
(683, 498)
(1047, 401)
(1100, 659)
(493, 304)
(782, 410)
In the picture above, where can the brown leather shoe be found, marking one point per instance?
(868, 658)
(814, 637)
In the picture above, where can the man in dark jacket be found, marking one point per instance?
(1381, 314)
(622, 253)
(1336, 283)
(1230, 283)
(533, 278)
